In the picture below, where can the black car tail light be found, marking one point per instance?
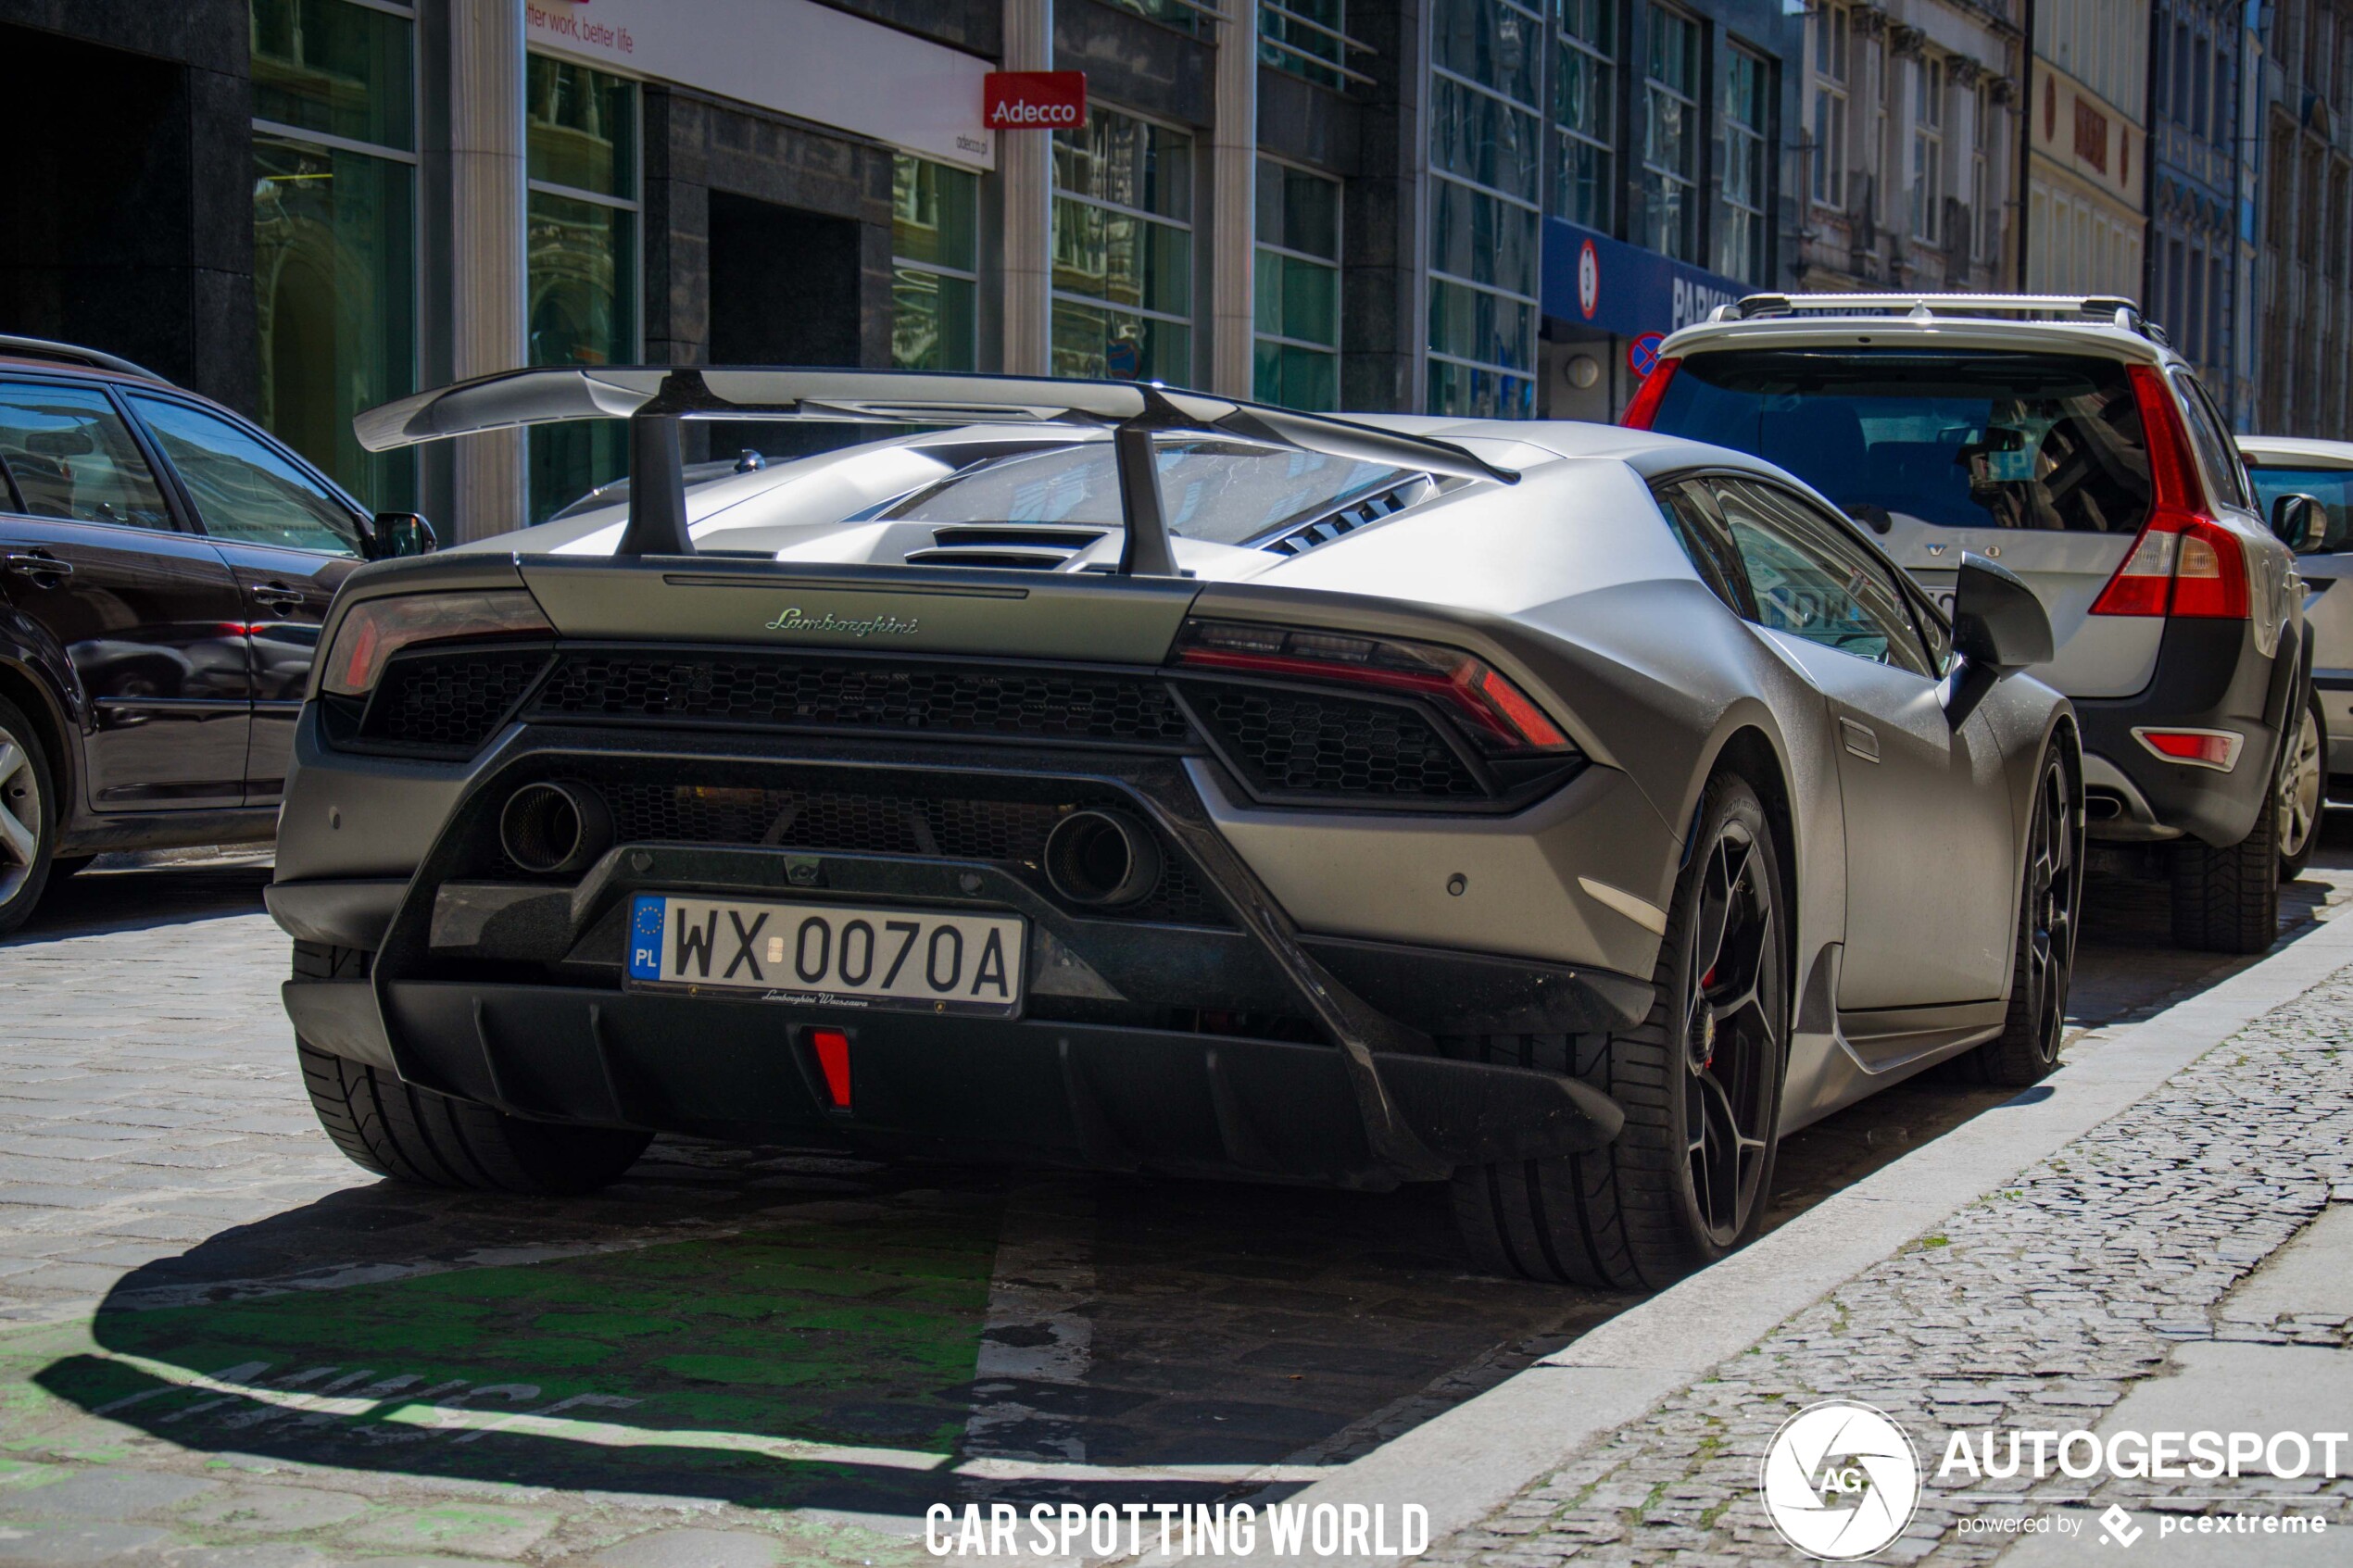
(1500, 719)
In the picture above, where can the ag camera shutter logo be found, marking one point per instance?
(1839, 1481)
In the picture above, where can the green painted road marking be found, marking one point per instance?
(815, 1362)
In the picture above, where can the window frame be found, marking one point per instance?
(1831, 68)
(940, 270)
(1334, 263)
(1190, 226)
(184, 498)
(1523, 379)
(177, 512)
(1605, 65)
(1927, 662)
(1928, 148)
(1759, 139)
(1692, 101)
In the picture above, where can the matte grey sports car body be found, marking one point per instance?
(1135, 779)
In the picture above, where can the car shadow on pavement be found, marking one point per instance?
(824, 1333)
(134, 896)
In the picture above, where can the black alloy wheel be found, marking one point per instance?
(1688, 1178)
(2044, 967)
(1732, 1019)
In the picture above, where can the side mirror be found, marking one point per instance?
(1999, 627)
(2300, 523)
(1998, 623)
(392, 534)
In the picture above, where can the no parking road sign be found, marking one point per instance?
(1641, 353)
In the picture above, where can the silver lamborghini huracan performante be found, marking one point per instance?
(1106, 775)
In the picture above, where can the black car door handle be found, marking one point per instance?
(277, 595)
(37, 563)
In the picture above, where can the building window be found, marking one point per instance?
(1486, 75)
(1307, 38)
(1743, 247)
(334, 231)
(580, 246)
(1829, 121)
(934, 245)
(1928, 150)
(1671, 136)
(1123, 250)
(1296, 277)
(1585, 112)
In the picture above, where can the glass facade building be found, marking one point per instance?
(334, 163)
(1486, 185)
(1123, 250)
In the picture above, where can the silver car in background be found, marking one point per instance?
(2282, 466)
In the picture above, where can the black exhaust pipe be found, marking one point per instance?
(1101, 858)
(554, 829)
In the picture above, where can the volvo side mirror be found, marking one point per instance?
(2300, 523)
(392, 534)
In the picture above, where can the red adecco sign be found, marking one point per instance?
(1034, 100)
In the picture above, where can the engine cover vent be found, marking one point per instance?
(1044, 546)
(1300, 537)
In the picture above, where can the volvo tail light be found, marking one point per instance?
(376, 629)
(2184, 562)
(1644, 408)
(1500, 715)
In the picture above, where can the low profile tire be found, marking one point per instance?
(411, 1135)
(2228, 900)
(2042, 966)
(1700, 1079)
(2304, 787)
(28, 818)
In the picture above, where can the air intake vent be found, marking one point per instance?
(1301, 537)
(1022, 547)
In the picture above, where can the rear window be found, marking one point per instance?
(1226, 493)
(1955, 439)
(2331, 487)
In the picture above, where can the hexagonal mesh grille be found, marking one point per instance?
(1009, 831)
(450, 701)
(787, 692)
(1293, 742)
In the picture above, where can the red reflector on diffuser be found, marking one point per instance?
(833, 1060)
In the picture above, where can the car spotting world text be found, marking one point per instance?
(1319, 1530)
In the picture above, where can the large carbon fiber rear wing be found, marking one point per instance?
(654, 398)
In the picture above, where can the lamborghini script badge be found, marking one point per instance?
(797, 620)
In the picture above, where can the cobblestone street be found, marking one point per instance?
(2037, 1308)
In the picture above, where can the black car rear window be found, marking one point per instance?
(1955, 439)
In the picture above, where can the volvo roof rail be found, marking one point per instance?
(2108, 309)
(74, 354)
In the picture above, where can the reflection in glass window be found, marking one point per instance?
(334, 292)
(1743, 247)
(243, 489)
(1295, 276)
(1485, 153)
(1671, 136)
(1307, 38)
(934, 244)
(1122, 248)
(579, 241)
(65, 453)
(334, 231)
(1584, 111)
(331, 67)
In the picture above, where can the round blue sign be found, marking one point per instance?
(1642, 354)
(1122, 359)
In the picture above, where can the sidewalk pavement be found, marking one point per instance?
(2159, 1238)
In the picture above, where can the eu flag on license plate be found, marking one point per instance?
(644, 937)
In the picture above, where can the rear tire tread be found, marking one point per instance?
(408, 1134)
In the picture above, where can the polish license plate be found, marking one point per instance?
(839, 955)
